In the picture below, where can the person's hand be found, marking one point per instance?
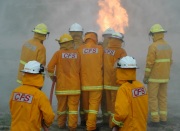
(53, 78)
(145, 80)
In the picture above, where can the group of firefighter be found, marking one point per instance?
(95, 76)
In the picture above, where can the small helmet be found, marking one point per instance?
(92, 36)
(76, 27)
(108, 31)
(41, 29)
(156, 28)
(65, 38)
(127, 62)
(91, 31)
(33, 67)
(117, 35)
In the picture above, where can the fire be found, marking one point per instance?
(112, 14)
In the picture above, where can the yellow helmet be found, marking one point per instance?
(65, 38)
(41, 29)
(156, 28)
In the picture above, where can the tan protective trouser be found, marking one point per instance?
(157, 93)
(91, 101)
(111, 104)
(68, 104)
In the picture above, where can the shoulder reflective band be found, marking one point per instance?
(158, 80)
(120, 124)
(111, 87)
(22, 62)
(162, 60)
(92, 88)
(68, 92)
(163, 47)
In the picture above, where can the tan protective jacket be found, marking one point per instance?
(29, 106)
(131, 107)
(77, 38)
(159, 59)
(111, 55)
(66, 65)
(91, 65)
(32, 50)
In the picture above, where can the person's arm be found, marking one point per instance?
(47, 111)
(41, 56)
(51, 66)
(121, 108)
(151, 56)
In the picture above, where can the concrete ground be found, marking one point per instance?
(173, 124)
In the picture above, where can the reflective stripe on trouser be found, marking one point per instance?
(157, 93)
(90, 102)
(68, 104)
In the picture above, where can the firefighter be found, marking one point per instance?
(157, 73)
(105, 115)
(82, 113)
(91, 78)
(106, 35)
(64, 66)
(29, 106)
(111, 55)
(33, 49)
(131, 105)
(93, 32)
(76, 31)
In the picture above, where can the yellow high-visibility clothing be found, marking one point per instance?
(65, 64)
(32, 50)
(159, 59)
(91, 66)
(157, 71)
(131, 107)
(29, 106)
(91, 79)
(111, 54)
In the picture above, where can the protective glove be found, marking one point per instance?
(145, 80)
(115, 128)
(53, 78)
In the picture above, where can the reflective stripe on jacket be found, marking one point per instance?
(91, 66)
(32, 50)
(66, 66)
(159, 59)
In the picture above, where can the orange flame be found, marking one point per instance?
(112, 14)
